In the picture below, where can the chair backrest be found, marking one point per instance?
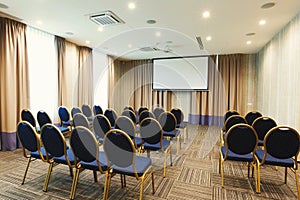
(85, 145)
(43, 118)
(251, 116)
(86, 110)
(26, 115)
(167, 121)
(130, 114)
(145, 114)
(101, 126)
(119, 148)
(230, 113)
(97, 110)
(157, 111)
(111, 115)
(233, 120)
(282, 142)
(177, 112)
(129, 108)
(75, 110)
(241, 139)
(262, 125)
(151, 131)
(141, 109)
(28, 136)
(63, 114)
(53, 140)
(80, 119)
(125, 124)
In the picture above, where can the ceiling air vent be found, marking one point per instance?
(106, 18)
(200, 42)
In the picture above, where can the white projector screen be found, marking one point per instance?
(186, 73)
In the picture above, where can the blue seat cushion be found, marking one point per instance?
(181, 125)
(236, 157)
(138, 141)
(68, 123)
(93, 165)
(141, 164)
(155, 147)
(171, 133)
(63, 129)
(62, 159)
(36, 154)
(270, 160)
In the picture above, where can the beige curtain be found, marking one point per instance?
(60, 44)
(14, 92)
(85, 76)
(111, 81)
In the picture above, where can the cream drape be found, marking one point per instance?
(60, 44)
(14, 90)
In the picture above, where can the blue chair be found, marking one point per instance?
(230, 113)
(140, 110)
(251, 116)
(157, 111)
(31, 145)
(168, 123)
(129, 108)
(240, 144)
(125, 124)
(101, 126)
(121, 156)
(26, 115)
(80, 119)
(151, 134)
(75, 110)
(56, 150)
(281, 148)
(97, 110)
(145, 114)
(87, 111)
(43, 118)
(64, 116)
(86, 149)
(231, 121)
(111, 116)
(177, 112)
(262, 125)
(130, 114)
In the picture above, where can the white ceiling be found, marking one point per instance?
(178, 23)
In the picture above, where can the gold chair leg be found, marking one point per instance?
(222, 169)
(46, 183)
(171, 162)
(122, 182)
(258, 178)
(106, 186)
(71, 171)
(153, 188)
(297, 183)
(165, 163)
(285, 175)
(26, 170)
(177, 145)
(142, 189)
(185, 136)
(74, 184)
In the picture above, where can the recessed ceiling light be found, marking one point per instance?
(169, 42)
(208, 38)
(268, 5)
(39, 22)
(151, 21)
(157, 34)
(249, 42)
(69, 33)
(100, 28)
(129, 45)
(206, 14)
(3, 6)
(131, 5)
(262, 22)
(250, 34)
(87, 42)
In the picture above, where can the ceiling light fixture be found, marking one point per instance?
(262, 22)
(268, 5)
(249, 42)
(151, 21)
(69, 33)
(250, 34)
(129, 46)
(157, 34)
(206, 14)
(131, 5)
(39, 22)
(100, 28)
(208, 38)
(87, 42)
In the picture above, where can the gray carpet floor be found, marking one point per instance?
(194, 175)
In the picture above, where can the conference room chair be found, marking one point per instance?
(121, 156)
(111, 115)
(75, 110)
(87, 111)
(230, 113)
(177, 112)
(168, 123)
(128, 107)
(26, 115)
(152, 136)
(80, 119)
(251, 116)
(240, 144)
(140, 110)
(145, 114)
(281, 149)
(130, 114)
(31, 144)
(262, 125)
(231, 121)
(43, 118)
(157, 111)
(56, 150)
(126, 124)
(64, 115)
(85, 147)
(97, 110)
(101, 126)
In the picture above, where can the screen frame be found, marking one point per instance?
(182, 57)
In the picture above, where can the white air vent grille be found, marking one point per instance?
(106, 18)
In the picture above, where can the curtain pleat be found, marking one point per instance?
(62, 72)
(14, 89)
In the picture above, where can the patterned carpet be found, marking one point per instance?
(194, 175)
